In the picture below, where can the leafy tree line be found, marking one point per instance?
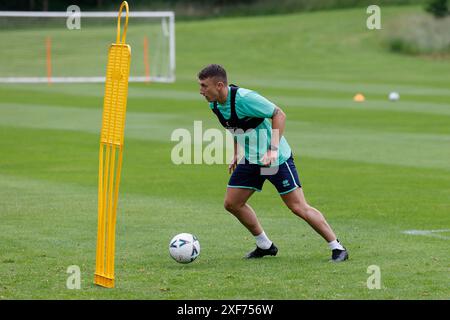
(207, 8)
(28, 5)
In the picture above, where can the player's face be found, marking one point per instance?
(209, 88)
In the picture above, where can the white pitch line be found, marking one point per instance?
(428, 233)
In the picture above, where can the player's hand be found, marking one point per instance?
(269, 158)
(232, 165)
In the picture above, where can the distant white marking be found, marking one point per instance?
(429, 233)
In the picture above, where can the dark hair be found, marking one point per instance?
(213, 71)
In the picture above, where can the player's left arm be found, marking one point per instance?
(278, 124)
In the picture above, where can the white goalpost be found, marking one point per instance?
(48, 47)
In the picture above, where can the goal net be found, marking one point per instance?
(72, 47)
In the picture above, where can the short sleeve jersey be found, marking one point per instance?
(255, 142)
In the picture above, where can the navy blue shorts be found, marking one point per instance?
(252, 176)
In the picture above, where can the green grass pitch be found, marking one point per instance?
(375, 169)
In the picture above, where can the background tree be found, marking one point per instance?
(439, 8)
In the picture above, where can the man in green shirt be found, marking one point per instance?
(267, 156)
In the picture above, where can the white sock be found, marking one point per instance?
(335, 245)
(262, 241)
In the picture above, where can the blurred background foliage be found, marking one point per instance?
(186, 9)
(419, 34)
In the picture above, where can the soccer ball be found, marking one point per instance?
(184, 248)
(394, 96)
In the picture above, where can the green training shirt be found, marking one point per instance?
(255, 142)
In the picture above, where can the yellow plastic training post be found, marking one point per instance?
(110, 154)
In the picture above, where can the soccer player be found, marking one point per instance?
(267, 155)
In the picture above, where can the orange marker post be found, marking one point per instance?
(48, 47)
(146, 60)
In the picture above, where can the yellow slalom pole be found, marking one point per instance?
(111, 218)
(111, 147)
(101, 216)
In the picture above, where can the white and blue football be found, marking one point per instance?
(184, 247)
